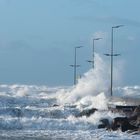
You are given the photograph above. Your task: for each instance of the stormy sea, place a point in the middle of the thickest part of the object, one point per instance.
(31, 112)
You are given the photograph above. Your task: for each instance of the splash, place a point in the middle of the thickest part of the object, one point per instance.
(91, 89)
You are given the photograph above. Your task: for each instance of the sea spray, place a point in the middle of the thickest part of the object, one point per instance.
(95, 118)
(32, 115)
(92, 83)
(99, 101)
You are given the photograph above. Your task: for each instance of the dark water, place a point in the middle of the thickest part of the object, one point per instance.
(31, 113)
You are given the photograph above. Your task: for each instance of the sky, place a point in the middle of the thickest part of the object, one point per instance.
(37, 39)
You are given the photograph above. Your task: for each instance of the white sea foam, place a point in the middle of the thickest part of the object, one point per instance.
(92, 83)
(54, 109)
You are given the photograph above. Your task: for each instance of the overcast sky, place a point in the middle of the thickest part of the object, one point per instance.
(37, 38)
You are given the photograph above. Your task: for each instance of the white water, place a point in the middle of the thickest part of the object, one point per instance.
(28, 111)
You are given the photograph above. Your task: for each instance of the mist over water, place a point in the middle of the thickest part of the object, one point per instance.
(93, 87)
(43, 112)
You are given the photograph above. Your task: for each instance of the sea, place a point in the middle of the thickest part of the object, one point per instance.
(41, 112)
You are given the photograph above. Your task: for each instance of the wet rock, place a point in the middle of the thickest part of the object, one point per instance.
(55, 105)
(87, 112)
(134, 119)
(122, 123)
(17, 112)
(129, 123)
(104, 124)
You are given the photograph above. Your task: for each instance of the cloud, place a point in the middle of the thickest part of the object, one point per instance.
(15, 45)
(84, 2)
(8, 2)
(119, 20)
(109, 20)
(131, 38)
(100, 34)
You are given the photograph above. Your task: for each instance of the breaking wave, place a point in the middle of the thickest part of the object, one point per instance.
(31, 107)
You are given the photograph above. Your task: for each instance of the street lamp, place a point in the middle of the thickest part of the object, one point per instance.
(93, 50)
(112, 55)
(75, 63)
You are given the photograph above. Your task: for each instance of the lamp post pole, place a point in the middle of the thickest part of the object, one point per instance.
(93, 52)
(111, 80)
(75, 63)
(112, 55)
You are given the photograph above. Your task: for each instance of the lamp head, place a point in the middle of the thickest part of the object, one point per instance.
(78, 47)
(97, 38)
(118, 26)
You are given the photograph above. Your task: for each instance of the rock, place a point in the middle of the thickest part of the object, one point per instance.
(55, 105)
(134, 119)
(17, 112)
(129, 123)
(87, 112)
(104, 124)
(122, 123)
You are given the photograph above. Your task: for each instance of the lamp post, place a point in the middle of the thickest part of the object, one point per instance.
(93, 51)
(75, 63)
(112, 55)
